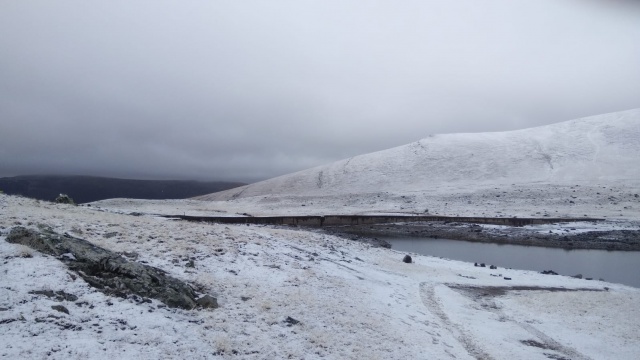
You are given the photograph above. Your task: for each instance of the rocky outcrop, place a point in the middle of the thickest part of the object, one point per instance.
(109, 272)
(64, 199)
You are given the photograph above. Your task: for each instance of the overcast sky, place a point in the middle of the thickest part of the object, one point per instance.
(247, 90)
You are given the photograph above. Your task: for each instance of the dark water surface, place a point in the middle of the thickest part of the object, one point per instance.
(614, 266)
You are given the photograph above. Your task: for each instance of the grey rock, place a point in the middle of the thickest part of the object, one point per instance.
(64, 199)
(130, 255)
(107, 271)
(60, 308)
(291, 321)
(407, 259)
(208, 302)
(58, 295)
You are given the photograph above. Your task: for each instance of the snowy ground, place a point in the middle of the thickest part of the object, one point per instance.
(351, 300)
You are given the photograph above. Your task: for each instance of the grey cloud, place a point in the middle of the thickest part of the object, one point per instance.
(249, 90)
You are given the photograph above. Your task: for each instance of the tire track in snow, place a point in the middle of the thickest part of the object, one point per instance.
(430, 300)
(550, 343)
(547, 341)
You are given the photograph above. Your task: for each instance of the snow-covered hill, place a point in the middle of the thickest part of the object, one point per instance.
(597, 148)
(588, 166)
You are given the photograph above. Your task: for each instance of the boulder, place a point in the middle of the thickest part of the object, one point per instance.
(207, 302)
(291, 321)
(407, 259)
(64, 199)
(107, 271)
(60, 308)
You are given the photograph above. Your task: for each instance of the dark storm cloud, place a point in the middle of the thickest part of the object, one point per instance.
(244, 90)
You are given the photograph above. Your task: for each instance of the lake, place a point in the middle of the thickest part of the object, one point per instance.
(614, 266)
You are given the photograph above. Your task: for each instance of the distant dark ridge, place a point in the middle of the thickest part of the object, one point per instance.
(88, 188)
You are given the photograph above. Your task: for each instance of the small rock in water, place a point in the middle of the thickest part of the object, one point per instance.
(507, 278)
(407, 259)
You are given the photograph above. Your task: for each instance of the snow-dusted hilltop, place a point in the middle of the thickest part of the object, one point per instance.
(595, 149)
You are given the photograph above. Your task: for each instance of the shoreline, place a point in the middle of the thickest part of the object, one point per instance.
(564, 233)
(611, 240)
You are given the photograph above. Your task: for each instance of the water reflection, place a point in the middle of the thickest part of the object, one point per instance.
(614, 266)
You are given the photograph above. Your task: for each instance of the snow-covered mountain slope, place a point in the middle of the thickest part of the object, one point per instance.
(597, 149)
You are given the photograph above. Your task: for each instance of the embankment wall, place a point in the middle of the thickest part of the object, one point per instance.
(339, 220)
